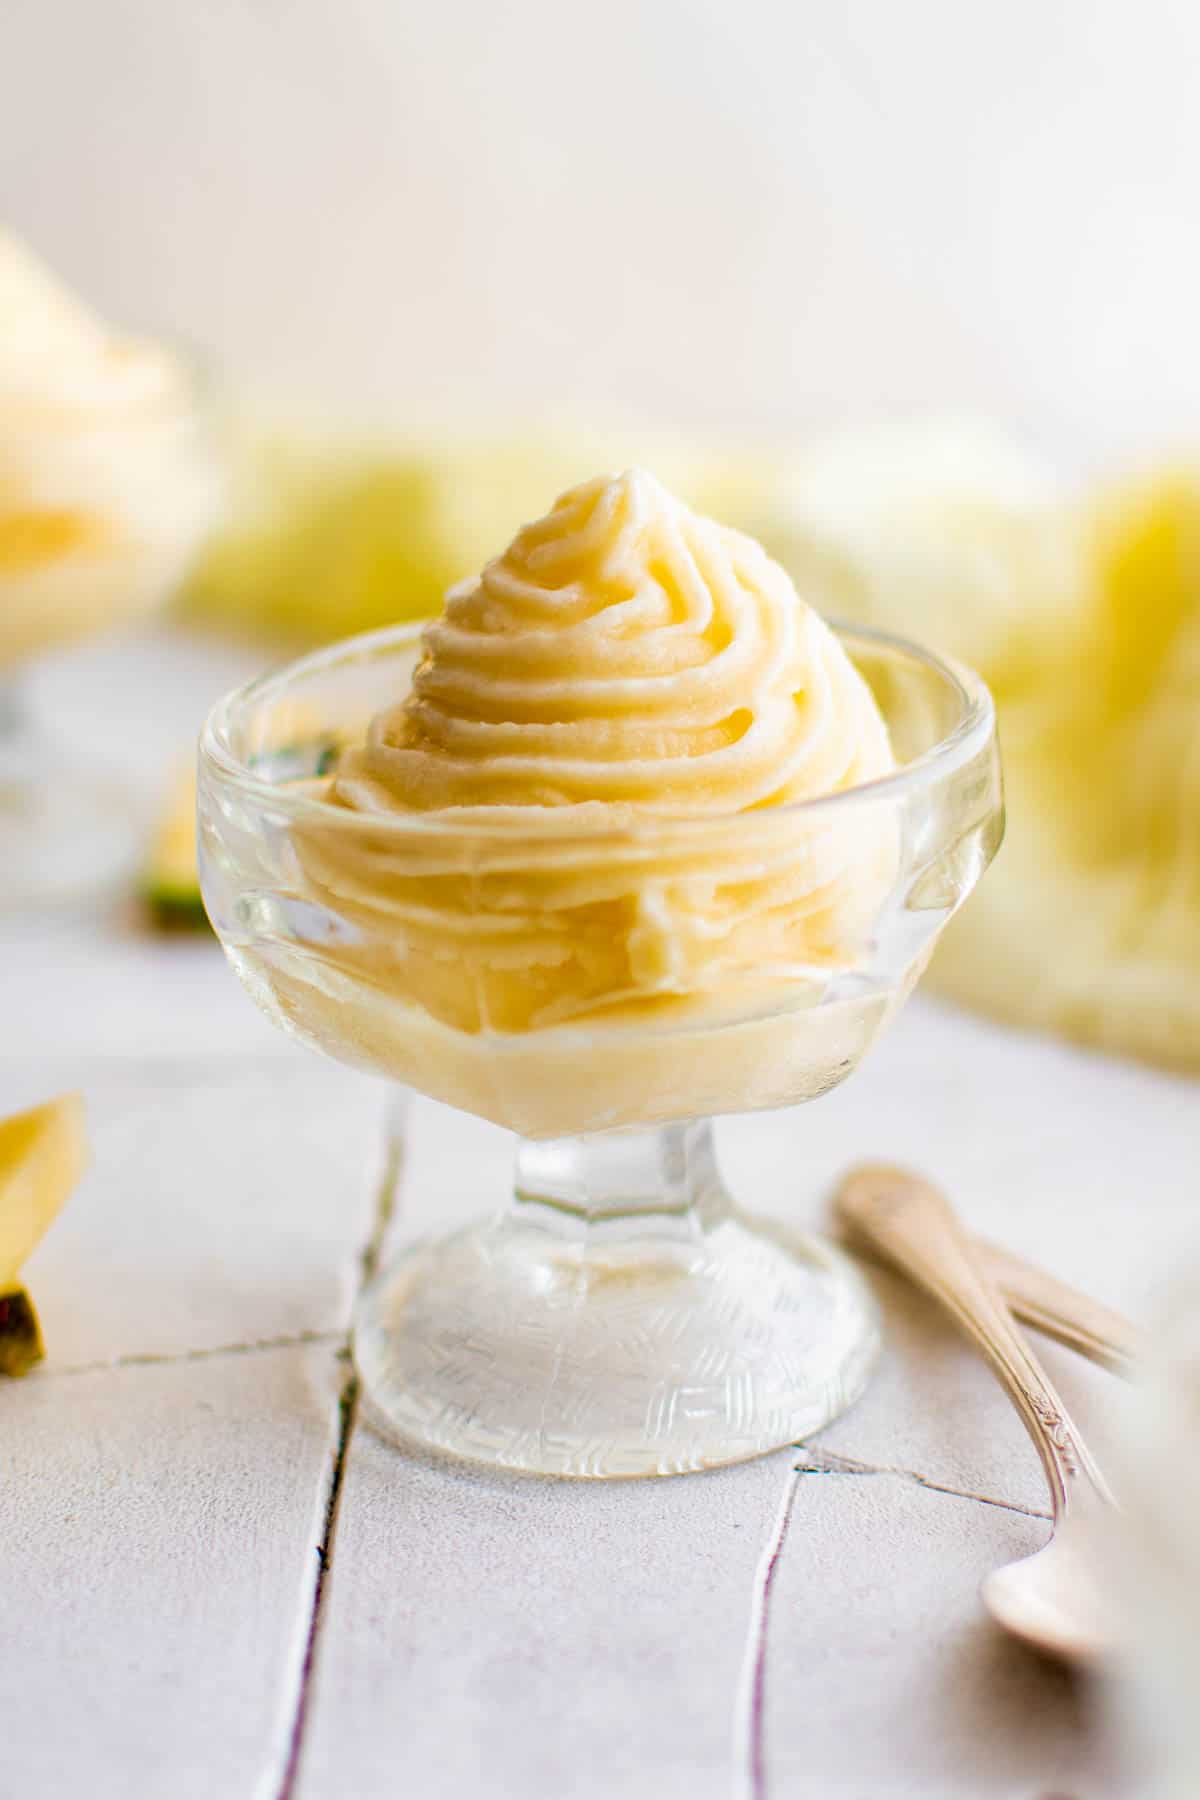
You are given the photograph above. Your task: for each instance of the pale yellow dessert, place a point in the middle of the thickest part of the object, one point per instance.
(105, 489)
(600, 864)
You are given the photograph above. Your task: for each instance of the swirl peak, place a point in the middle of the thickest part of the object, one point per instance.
(623, 651)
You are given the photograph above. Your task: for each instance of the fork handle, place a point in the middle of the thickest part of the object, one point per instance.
(1060, 1311)
(914, 1226)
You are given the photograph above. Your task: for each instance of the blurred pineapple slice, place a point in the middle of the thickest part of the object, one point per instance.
(940, 529)
(322, 543)
(171, 878)
(42, 1156)
(1090, 922)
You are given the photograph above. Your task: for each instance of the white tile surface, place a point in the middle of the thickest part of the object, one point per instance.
(157, 1554)
(225, 1203)
(505, 1636)
(159, 1517)
(106, 989)
(884, 1681)
(483, 1637)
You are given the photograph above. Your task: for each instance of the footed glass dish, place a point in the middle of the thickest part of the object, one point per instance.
(623, 1316)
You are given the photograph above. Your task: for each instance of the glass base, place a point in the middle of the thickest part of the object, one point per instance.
(68, 832)
(645, 1341)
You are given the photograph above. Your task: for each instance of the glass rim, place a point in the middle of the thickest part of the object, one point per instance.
(968, 737)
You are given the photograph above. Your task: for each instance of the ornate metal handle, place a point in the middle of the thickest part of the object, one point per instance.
(915, 1227)
(1061, 1311)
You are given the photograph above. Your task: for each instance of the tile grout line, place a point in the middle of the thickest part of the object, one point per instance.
(152, 1359)
(832, 1463)
(347, 1418)
(387, 1187)
(749, 1765)
(829, 1462)
(749, 1761)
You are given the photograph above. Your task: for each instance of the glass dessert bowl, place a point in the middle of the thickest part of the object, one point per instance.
(108, 482)
(623, 1316)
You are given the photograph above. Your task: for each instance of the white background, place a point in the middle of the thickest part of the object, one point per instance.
(746, 217)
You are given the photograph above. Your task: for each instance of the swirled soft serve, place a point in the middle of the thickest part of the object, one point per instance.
(599, 736)
(623, 652)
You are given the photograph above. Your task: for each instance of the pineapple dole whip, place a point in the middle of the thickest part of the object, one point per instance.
(591, 713)
(105, 490)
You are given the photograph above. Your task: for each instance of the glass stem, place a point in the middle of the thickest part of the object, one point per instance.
(663, 1180)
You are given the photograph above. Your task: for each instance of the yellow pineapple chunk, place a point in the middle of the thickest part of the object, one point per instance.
(171, 878)
(42, 1155)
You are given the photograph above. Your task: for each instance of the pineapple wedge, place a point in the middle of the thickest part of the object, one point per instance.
(42, 1155)
(171, 879)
